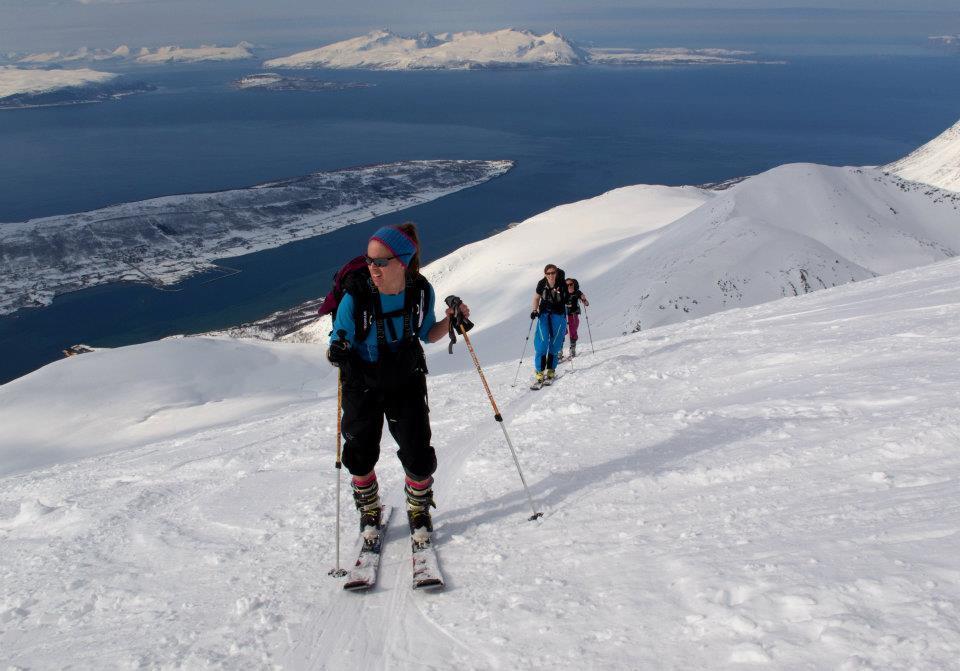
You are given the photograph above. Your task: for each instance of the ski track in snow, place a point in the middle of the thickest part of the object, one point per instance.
(771, 486)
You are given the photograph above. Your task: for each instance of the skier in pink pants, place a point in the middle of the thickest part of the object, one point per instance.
(574, 298)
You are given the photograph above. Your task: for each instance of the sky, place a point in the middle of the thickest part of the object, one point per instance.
(874, 25)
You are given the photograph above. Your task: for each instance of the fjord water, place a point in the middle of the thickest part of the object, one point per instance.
(573, 133)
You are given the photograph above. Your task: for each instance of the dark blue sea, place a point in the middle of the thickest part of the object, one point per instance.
(574, 133)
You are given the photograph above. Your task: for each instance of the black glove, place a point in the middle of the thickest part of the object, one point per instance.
(338, 354)
(534, 314)
(457, 321)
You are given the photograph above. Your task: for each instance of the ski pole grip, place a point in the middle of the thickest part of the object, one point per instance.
(456, 319)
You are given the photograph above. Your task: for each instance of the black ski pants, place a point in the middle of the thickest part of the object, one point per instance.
(408, 419)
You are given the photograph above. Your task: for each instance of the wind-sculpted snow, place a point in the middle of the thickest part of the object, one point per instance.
(772, 486)
(936, 163)
(164, 240)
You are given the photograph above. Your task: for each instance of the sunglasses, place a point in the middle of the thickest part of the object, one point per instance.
(550, 272)
(379, 263)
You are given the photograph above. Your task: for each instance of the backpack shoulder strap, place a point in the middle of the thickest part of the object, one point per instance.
(366, 303)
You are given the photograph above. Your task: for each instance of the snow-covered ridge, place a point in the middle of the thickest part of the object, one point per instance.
(648, 256)
(164, 240)
(385, 50)
(936, 163)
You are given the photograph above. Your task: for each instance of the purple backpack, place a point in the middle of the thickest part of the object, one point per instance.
(353, 270)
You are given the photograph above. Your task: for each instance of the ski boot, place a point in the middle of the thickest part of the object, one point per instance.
(366, 496)
(537, 381)
(419, 502)
(573, 349)
(550, 377)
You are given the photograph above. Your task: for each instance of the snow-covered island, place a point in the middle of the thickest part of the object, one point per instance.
(145, 55)
(204, 53)
(951, 42)
(508, 48)
(164, 240)
(674, 56)
(271, 81)
(386, 50)
(21, 87)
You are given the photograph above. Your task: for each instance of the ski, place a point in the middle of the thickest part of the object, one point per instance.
(426, 568)
(363, 575)
(537, 385)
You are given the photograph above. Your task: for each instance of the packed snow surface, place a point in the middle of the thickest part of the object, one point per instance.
(16, 81)
(936, 163)
(775, 485)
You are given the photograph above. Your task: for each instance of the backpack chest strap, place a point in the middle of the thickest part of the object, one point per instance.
(412, 307)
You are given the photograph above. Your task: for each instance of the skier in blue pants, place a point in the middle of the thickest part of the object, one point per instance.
(549, 309)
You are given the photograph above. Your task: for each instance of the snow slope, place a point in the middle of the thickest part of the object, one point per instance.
(648, 256)
(15, 81)
(385, 50)
(936, 163)
(773, 486)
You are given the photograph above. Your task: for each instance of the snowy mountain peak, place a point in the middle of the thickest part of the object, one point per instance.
(936, 163)
(386, 50)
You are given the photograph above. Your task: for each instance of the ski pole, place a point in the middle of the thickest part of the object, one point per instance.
(337, 571)
(523, 354)
(454, 303)
(589, 333)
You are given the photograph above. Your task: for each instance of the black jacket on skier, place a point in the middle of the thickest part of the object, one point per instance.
(384, 314)
(549, 309)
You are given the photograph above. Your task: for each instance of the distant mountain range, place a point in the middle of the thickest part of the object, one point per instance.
(146, 55)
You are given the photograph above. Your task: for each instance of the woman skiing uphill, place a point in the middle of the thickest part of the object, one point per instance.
(549, 307)
(574, 298)
(376, 336)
